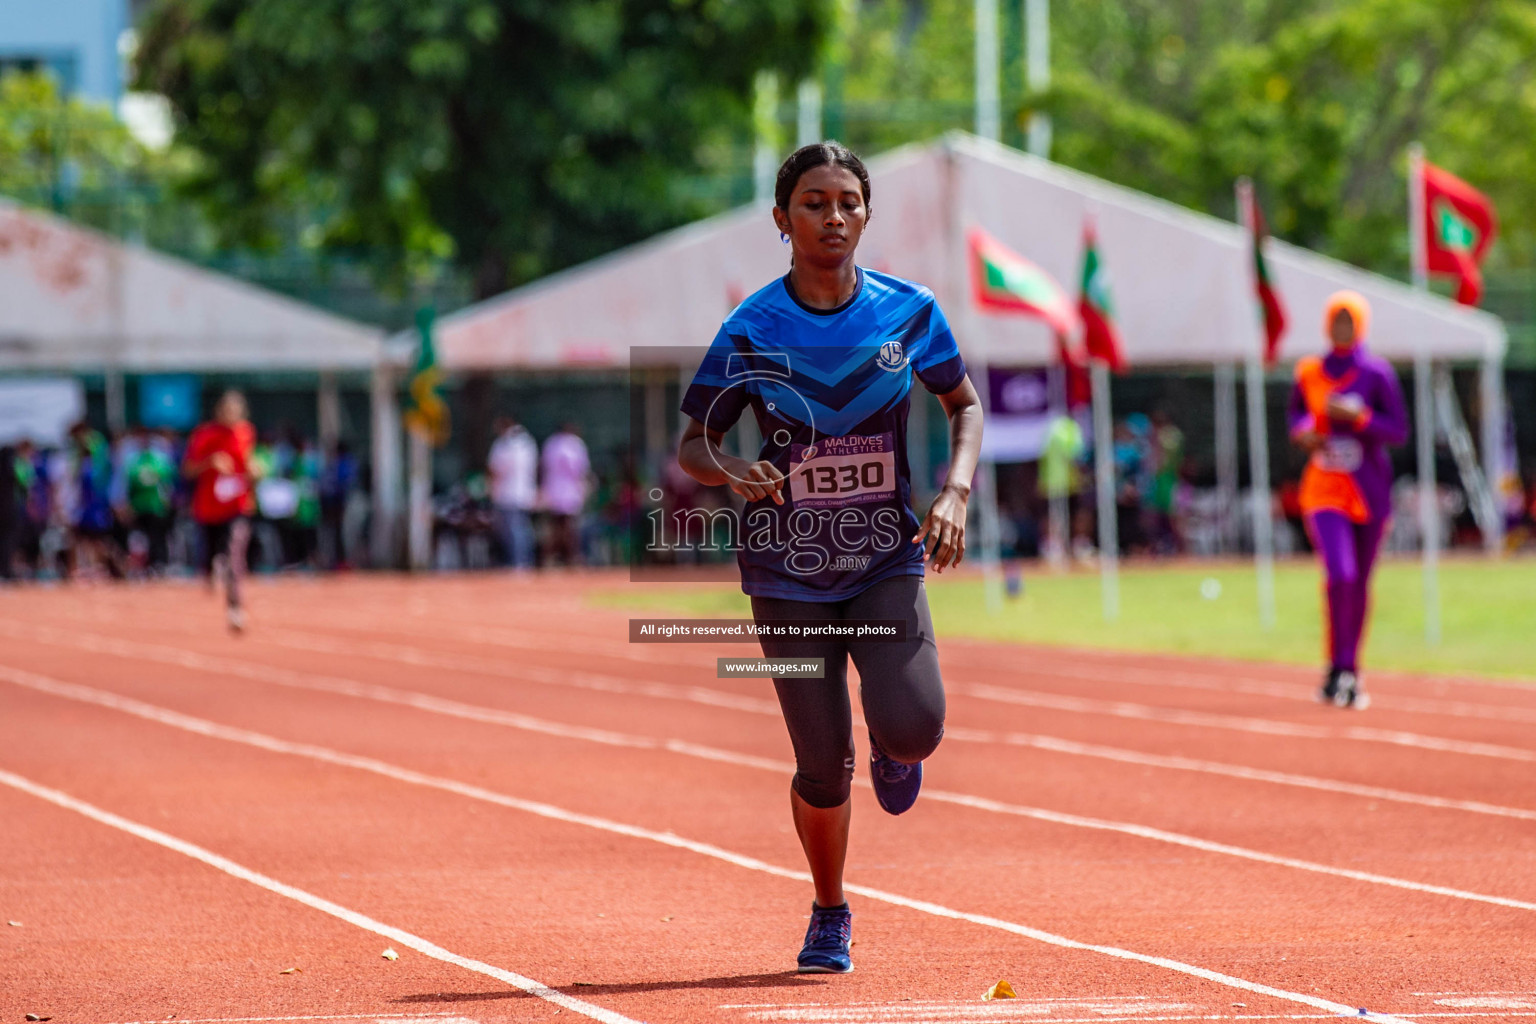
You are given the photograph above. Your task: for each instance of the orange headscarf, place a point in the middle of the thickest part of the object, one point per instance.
(1359, 311)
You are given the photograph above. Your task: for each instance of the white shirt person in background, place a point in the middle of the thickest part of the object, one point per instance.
(567, 481)
(514, 469)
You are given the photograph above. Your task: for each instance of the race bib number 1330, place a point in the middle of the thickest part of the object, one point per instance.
(849, 470)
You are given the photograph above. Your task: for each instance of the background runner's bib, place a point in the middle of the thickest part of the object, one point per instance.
(228, 488)
(1339, 454)
(849, 470)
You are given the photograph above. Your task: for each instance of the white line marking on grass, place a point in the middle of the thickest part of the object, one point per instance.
(260, 672)
(1262, 726)
(325, 906)
(323, 754)
(176, 719)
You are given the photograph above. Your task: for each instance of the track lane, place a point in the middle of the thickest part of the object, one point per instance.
(1273, 830)
(1095, 910)
(325, 846)
(1280, 752)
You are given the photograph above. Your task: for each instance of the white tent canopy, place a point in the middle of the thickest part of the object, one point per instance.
(1181, 283)
(75, 300)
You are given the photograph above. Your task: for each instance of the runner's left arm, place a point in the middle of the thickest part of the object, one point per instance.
(945, 523)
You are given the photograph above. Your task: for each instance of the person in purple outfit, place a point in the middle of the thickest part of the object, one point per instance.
(1346, 409)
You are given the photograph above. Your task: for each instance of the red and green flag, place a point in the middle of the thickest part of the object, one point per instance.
(1002, 281)
(1459, 226)
(1097, 308)
(1269, 299)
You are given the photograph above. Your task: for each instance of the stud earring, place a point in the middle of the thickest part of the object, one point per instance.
(784, 238)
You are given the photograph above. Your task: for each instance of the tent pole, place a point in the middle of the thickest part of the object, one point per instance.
(420, 536)
(117, 400)
(386, 465)
(1104, 469)
(1429, 519)
(328, 412)
(1424, 401)
(1258, 442)
(1258, 471)
(1491, 385)
(1226, 454)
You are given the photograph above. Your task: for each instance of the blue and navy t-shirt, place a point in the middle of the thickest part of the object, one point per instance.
(830, 390)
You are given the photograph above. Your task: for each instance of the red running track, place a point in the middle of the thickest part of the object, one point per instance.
(546, 822)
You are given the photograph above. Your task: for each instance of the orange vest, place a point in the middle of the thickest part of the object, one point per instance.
(1328, 482)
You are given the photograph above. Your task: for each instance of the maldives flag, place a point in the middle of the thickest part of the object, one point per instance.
(1459, 226)
(1094, 305)
(1002, 281)
(1269, 299)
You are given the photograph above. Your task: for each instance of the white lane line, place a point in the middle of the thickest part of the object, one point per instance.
(169, 655)
(1191, 1017)
(1077, 705)
(1263, 726)
(1058, 745)
(436, 1016)
(528, 640)
(1213, 683)
(308, 899)
(260, 672)
(551, 812)
(523, 672)
(176, 719)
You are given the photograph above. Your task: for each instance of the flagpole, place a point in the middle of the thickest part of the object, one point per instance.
(1424, 404)
(985, 480)
(1104, 472)
(988, 91)
(1258, 438)
(1037, 20)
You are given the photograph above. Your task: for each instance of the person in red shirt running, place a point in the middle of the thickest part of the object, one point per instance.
(218, 461)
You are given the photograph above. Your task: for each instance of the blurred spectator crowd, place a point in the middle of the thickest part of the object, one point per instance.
(117, 507)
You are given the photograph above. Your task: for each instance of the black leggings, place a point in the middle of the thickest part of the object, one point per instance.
(899, 686)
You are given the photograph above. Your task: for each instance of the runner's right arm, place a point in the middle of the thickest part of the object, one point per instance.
(701, 457)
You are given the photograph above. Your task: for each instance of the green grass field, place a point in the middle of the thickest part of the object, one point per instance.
(1488, 613)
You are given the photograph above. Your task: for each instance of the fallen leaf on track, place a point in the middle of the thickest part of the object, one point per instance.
(390, 954)
(1002, 990)
(290, 970)
(33, 1016)
(14, 924)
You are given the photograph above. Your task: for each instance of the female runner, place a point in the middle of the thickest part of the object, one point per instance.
(1346, 409)
(825, 357)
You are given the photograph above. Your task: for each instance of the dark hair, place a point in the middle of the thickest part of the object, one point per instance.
(808, 158)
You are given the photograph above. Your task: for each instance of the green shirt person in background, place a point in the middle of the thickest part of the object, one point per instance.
(1058, 462)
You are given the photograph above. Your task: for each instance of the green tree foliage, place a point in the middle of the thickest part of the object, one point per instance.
(1317, 100)
(512, 136)
(53, 149)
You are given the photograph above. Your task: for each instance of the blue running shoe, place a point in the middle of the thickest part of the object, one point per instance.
(896, 784)
(827, 941)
